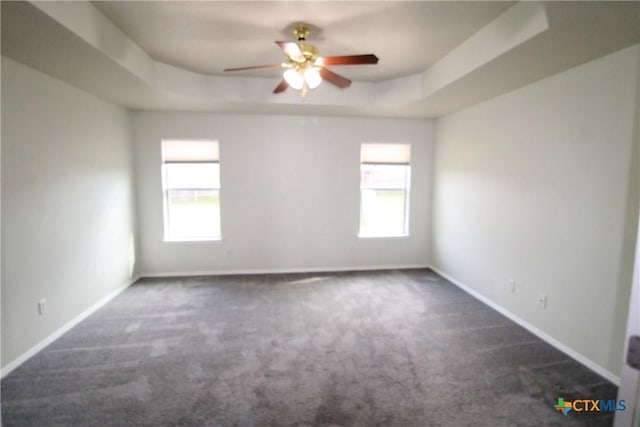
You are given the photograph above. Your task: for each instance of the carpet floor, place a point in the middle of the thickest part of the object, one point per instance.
(385, 348)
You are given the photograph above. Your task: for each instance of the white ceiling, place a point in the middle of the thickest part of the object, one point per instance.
(207, 37)
(435, 57)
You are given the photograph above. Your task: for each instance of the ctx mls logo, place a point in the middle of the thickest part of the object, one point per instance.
(590, 405)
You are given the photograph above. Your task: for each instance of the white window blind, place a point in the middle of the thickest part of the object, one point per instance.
(387, 154)
(178, 151)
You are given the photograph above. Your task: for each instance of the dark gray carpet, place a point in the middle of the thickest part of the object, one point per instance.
(388, 348)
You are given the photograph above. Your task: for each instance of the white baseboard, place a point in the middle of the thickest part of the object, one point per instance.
(528, 326)
(58, 333)
(282, 270)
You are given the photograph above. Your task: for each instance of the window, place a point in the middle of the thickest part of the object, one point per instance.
(384, 190)
(191, 186)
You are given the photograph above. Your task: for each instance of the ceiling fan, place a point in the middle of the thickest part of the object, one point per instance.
(305, 69)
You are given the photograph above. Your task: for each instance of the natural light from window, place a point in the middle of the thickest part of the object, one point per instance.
(191, 187)
(385, 176)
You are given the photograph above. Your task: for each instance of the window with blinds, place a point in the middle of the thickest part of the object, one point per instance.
(385, 175)
(191, 187)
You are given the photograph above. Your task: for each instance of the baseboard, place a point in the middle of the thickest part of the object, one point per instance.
(64, 329)
(528, 326)
(283, 270)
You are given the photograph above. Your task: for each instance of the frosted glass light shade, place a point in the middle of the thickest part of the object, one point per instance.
(294, 79)
(312, 77)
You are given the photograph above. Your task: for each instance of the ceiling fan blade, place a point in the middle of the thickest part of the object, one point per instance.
(281, 87)
(334, 78)
(255, 67)
(348, 60)
(292, 50)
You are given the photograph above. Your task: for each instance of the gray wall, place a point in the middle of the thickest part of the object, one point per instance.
(290, 192)
(540, 186)
(67, 204)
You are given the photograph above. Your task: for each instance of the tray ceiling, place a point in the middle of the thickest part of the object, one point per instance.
(435, 57)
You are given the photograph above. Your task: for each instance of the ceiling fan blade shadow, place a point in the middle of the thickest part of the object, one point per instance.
(334, 78)
(255, 67)
(347, 60)
(281, 87)
(292, 50)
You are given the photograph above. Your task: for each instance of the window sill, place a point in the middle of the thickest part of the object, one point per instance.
(396, 237)
(194, 240)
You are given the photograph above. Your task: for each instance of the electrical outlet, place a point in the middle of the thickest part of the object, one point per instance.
(542, 300)
(42, 306)
(512, 286)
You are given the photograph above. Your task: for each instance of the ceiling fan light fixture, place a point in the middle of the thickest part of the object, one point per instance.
(312, 77)
(294, 78)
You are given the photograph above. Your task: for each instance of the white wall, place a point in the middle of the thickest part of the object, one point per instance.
(539, 186)
(536, 186)
(67, 204)
(290, 192)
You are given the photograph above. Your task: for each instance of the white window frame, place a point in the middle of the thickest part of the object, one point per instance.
(199, 159)
(387, 155)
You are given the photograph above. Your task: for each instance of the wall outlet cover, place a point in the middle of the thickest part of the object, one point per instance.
(542, 300)
(42, 306)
